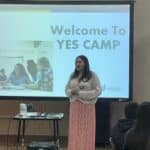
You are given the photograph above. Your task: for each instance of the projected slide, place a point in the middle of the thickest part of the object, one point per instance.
(39, 44)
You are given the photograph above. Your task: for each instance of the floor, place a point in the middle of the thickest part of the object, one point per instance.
(14, 148)
(4, 141)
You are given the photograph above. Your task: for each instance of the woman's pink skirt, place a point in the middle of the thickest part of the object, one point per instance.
(81, 126)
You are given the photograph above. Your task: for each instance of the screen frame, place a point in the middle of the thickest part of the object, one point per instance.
(83, 2)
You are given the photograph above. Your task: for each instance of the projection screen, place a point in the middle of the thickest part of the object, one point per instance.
(39, 43)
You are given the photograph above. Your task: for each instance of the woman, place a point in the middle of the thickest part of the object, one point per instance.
(138, 138)
(32, 69)
(19, 76)
(83, 88)
(45, 74)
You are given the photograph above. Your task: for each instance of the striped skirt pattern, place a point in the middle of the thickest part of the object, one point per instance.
(81, 126)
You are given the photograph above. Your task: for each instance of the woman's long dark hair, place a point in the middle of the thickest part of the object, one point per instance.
(22, 70)
(32, 68)
(143, 124)
(87, 74)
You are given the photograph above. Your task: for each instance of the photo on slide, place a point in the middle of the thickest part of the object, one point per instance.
(28, 69)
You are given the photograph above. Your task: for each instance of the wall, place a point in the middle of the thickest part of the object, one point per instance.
(141, 81)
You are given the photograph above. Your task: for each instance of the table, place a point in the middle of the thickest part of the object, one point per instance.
(54, 117)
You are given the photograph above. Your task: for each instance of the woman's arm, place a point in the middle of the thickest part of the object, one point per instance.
(72, 89)
(95, 92)
(68, 88)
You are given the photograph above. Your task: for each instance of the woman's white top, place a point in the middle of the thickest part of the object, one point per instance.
(88, 91)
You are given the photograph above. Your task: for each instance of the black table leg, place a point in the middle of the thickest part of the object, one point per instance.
(18, 135)
(54, 130)
(57, 129)
(23, 131)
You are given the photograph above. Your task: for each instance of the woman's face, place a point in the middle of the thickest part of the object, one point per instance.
(79, 64)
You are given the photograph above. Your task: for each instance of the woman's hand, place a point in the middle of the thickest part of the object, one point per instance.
(74, 91)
